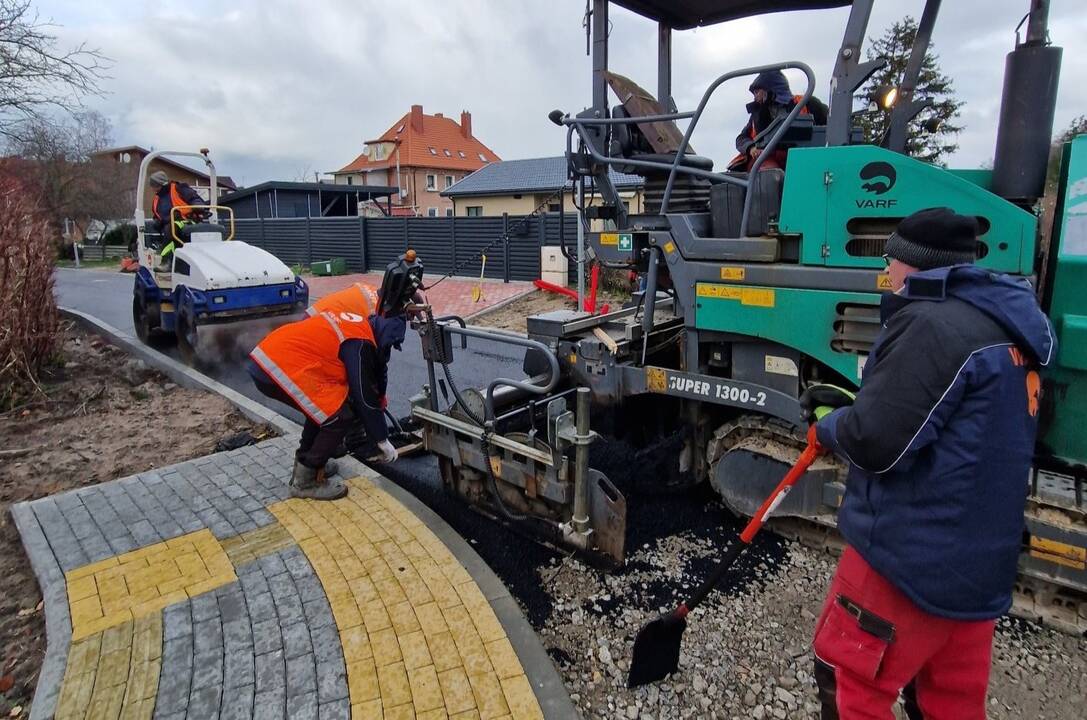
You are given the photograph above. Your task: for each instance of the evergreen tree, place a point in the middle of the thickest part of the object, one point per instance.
(931, 135)
(1076, 127)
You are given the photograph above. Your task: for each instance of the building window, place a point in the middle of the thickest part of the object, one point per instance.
(432, 151)
(483, 157)
(474, 210)
(432, 212)
(449, 180)
(380, 153)
(431, 181)
(350, 180)
(461, 153)
(554, 207)
(447, 153)
(449, 212)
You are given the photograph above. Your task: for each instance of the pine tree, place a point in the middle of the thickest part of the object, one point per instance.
(1077, 127)
(931, 135)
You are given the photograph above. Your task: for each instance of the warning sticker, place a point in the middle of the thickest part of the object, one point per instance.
(669, 247)
(758, 297)
(1058, 552)
(609, 238)
(883, 281)
(732, 273)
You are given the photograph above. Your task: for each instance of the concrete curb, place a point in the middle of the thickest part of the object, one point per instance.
(546, 682)
(181, 374)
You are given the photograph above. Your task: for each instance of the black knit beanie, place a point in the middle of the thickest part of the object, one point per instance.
(935, 237)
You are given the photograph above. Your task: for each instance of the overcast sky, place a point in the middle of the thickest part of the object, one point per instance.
(279, 89)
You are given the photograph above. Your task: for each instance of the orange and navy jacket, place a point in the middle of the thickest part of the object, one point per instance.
(356, 298)
(940, 439)
(173, 194)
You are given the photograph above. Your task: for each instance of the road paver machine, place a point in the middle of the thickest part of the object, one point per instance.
(757, 285)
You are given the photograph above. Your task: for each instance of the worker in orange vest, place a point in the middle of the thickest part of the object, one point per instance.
(333, 367)
(357, 298)
(168, 195)
(771, 99)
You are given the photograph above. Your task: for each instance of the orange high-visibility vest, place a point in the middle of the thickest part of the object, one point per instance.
(302, 358)
(176, 201)
(358, 298)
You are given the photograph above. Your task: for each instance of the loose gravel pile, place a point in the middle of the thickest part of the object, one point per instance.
(746, 652)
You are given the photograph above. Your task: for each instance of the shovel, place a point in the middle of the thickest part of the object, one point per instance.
(656, 649)
(477, 291)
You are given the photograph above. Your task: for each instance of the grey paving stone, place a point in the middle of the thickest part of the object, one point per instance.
(296, 640)
(266, 636)
(204, 703)
(144, 532)
(207, 668)
(208, 635)
(237, 703)
(169, 716)
(335, 710)
(309, 588)
(331, 680)
(272, 565)
(318, 613)
(239, 668)
(177, 621)
(177, 652)
(174, 685)
(97, 548)
(271, 671)
(261, 606)
(205, 607)
(302, 707)
(326, 644)
(237, 633)
(270, 705)
(123, 544)
(301, 675)
(289, 609)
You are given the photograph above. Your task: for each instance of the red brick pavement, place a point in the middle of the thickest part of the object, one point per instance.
(453, 296)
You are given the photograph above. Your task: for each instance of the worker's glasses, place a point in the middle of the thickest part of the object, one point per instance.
(886, 259)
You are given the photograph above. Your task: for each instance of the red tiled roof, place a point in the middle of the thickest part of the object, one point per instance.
(441, 144)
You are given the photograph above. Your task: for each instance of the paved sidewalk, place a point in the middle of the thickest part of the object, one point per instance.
(202, 591)
(453, 296)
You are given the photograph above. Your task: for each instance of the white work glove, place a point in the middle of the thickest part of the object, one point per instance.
(388, 452)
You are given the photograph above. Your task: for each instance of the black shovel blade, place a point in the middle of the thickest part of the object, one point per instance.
(656, 649)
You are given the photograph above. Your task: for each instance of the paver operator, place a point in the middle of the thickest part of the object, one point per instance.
(771, 98)
(168, 195)
(333, 367)
(940, 439)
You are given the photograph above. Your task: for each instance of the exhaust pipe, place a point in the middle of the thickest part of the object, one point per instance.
(1025, 130)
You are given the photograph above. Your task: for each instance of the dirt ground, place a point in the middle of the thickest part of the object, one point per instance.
(101, 415)
(515, 315)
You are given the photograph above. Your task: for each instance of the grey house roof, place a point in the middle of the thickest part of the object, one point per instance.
(526, 176)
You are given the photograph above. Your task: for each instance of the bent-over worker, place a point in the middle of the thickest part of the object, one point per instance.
(940, 441)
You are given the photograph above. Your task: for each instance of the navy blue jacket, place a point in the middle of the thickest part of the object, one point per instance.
(367, 367)
(941, 439)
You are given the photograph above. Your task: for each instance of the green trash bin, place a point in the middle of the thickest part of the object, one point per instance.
(335, 266)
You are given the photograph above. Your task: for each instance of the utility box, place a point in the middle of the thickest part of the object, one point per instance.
(554, 267)
(335, 266)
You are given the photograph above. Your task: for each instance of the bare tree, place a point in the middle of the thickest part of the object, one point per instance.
(37, 76)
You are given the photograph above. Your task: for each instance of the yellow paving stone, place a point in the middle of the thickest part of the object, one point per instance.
(178, 583)
(347, 614)
(362, 681)
(356, 644)
(438, 714)
(400, 712)
(469, 715)
(75, 695)
(415, 589)
(426, 693)
(96, 626)
(456, 691)
(117, 638)
(460, 623)
(91, 569)
(81, 587)
(403, 618)
(118, 570)
(487, 624)
(143, 680)
(112, 669)
(385, 646)
(413, 647)
(86, 610)
(444, 651)
(83, 655)
(364, 590)
(471, 597)
(138, 710)
(476, 661)
(378, 569)
(431, 619)
(489, 697)
(351, 567)
(111, 588)
(393, 681)
(520, 698)
(390, 591)
(503, 658)
(367, 711)
(375, 616)
(190, 565)
(215, 582)
(147, 638)
(151, 607)
(106, 702)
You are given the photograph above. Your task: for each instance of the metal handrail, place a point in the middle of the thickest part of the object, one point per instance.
(675, 167)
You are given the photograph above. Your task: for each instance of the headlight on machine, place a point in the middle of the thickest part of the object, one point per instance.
(219, 299)
(284, 293)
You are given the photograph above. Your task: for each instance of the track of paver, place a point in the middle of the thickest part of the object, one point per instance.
(202, 591)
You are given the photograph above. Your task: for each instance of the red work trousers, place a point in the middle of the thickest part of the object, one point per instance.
(871, 642)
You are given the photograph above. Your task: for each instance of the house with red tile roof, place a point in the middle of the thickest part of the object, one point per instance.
(422, 155)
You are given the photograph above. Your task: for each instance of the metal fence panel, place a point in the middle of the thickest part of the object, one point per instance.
(432, 239)
(384, 241)
(338, 238)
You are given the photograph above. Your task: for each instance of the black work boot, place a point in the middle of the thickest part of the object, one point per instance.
(313, 484)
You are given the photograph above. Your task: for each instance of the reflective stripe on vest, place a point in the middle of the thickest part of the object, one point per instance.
(287, 385)
(334, 323)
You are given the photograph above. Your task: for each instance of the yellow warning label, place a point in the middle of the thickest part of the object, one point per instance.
(758, 297)
(1058, 552)
(609, 238)
(669, 247)
(883, 281)
(656, 380)
(732, 273)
